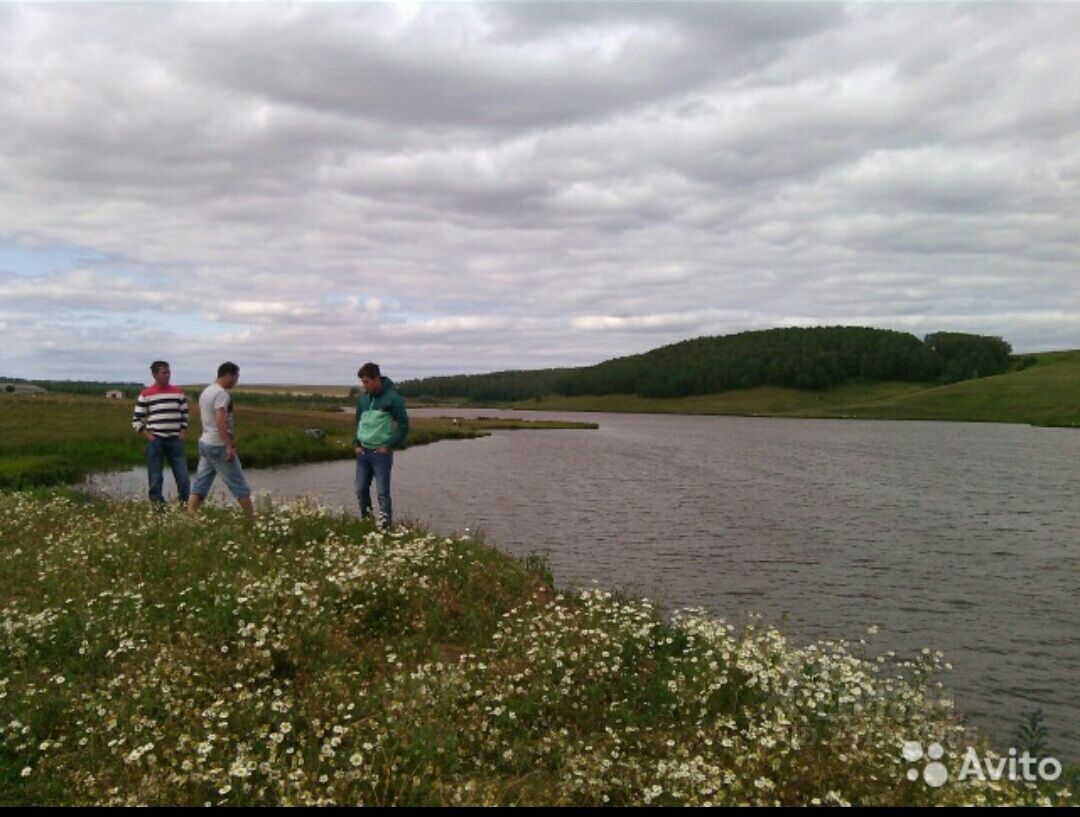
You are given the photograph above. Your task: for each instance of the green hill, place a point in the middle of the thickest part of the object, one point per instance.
(806, 358)
(826, 371)
(1045, 392)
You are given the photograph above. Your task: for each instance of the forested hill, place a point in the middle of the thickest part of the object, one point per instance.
(805, 358)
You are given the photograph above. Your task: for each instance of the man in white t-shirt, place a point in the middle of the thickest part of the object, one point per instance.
(217, 450)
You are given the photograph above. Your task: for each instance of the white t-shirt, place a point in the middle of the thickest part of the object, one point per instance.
(214, 397)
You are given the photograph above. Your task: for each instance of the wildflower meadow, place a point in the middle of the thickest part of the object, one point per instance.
(157, 658)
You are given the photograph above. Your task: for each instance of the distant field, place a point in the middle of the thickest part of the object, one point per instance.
(301, 391)
(1047, 393)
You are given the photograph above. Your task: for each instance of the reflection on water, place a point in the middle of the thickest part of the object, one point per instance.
(954, 536)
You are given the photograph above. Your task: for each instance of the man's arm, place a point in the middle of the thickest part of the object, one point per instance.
(223, 430)
(401, 417)
(183, 415)
(356, 422)
(138, 419)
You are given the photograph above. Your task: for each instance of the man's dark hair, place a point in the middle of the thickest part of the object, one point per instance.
(369, 370)
(227, 368)
(158, 365)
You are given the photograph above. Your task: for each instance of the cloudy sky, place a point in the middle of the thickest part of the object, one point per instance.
(463, 187)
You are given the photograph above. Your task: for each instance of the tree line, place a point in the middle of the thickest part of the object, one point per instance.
(809, 358)
(497, 387)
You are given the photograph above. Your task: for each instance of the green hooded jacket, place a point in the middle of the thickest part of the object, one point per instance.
(381, 419)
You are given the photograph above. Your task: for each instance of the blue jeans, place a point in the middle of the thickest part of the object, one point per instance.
(373, 464)
(171, 450)
(212, 461)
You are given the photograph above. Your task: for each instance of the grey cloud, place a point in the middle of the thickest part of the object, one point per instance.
(716, 24)
(425, 80)
(514, 183)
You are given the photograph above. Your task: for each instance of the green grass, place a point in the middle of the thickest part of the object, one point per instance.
(155, 658)
(29, 470)
(1046, 393)
(57, 439)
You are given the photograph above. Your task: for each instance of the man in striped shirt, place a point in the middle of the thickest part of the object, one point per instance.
(161, 416)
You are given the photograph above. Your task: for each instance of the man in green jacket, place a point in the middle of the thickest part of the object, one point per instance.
(381, 426)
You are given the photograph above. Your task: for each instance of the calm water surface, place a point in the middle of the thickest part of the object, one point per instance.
(960, 537)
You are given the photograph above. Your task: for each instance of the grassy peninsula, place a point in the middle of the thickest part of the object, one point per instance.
(50, 439)
(314, 659)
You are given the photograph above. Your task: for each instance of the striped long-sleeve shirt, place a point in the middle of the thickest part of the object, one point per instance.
(161, 411)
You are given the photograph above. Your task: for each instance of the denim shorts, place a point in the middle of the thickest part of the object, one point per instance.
(211, 463)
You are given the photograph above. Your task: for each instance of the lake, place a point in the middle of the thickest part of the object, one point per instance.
(960, 537)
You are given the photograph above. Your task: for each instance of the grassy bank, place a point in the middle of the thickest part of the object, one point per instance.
(1046, 394)
(152, 658)
(57, 439)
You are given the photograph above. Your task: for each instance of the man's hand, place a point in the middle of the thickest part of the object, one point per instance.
(383, 450)
(183, 434)
(149, 437)
(230, 452)
(359, 450)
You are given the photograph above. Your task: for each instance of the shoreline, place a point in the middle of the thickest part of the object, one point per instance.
(656, 412)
